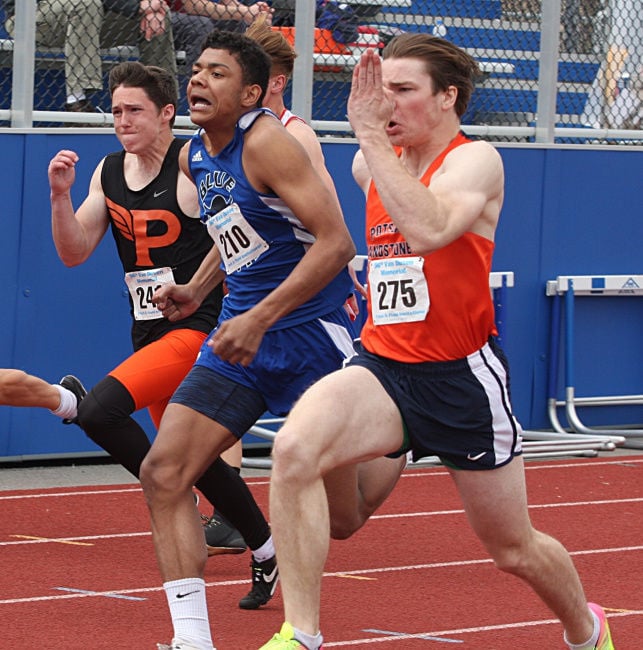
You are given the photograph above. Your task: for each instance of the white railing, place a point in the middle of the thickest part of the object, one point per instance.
(544, 129)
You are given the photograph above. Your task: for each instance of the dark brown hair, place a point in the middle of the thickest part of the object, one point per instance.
(446, 63)
(159, 85)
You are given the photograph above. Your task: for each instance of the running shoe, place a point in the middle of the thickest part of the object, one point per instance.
(76, 387)
(604, 637)
(221, 537)
(284, 640)
(264, 582)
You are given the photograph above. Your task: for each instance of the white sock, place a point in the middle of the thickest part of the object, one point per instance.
(265, 551)
(590, 644)
(189, 611)
(311, 642)
(68, 403)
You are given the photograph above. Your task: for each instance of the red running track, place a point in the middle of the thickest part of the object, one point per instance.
(79, 570)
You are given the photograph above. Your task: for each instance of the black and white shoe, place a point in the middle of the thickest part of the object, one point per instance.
(76, 387)
(265, 576)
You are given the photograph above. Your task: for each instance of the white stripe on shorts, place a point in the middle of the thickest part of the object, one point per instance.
(491, 373)
(340, 336)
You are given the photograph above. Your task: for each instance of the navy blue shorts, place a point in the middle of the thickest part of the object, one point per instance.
(287, 363)
(458, 410)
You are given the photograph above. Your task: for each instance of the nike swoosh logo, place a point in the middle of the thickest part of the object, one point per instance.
(187, 593)
(269, 577)
(476, 457)
(157, 194)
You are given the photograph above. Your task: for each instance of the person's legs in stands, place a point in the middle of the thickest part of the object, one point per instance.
(124, 30)
(83, 64)
(73, 25)
(159, 50)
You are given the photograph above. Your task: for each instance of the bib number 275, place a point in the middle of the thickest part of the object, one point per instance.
(399, 291)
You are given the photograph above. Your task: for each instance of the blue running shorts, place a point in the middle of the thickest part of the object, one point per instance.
(288, 362)
(458, 410)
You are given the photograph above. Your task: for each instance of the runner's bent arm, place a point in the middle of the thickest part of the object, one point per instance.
(280, 164)
(465, 194)
(75, 234)
(178, 301)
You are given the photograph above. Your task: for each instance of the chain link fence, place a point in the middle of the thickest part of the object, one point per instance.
(567, 71)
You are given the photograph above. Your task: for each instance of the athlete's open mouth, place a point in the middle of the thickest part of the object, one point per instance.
(197, 102)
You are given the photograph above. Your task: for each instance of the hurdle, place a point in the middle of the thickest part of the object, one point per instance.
(566, 288)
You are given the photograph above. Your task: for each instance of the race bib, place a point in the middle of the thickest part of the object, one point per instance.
(238, 242)
(398, 290)
(142, 285)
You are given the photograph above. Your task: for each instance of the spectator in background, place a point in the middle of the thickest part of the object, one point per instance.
(74, 25)
(338, 17)
(82, 27)
(615, 100)
(193, 20)
(145, 23)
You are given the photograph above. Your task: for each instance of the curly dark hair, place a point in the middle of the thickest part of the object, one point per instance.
(254, 61)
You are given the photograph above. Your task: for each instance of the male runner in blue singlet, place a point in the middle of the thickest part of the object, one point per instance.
(285, 247)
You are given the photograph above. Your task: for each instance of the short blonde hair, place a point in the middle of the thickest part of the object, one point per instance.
(280, 51)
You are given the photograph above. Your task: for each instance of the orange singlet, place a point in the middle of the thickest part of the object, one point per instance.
(445, 310)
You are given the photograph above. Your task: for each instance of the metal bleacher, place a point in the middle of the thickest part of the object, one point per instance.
(507, 48)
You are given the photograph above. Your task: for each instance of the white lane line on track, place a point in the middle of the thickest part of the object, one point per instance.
(95, 593)
(44, 495)
(85, 538)
(336, 574)
(112, 593)
(464, 630)
(57, 540)
(424, 637)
